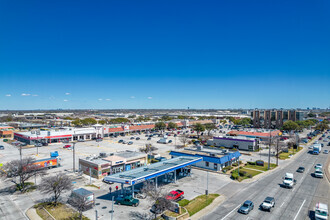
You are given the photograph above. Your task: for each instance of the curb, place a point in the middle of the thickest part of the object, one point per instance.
(208, 209)
(31, 213)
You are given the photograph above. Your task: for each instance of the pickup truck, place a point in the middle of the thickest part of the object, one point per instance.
(268, 204)
(127, 200)
(175, 195)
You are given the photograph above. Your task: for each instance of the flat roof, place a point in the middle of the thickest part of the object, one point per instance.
(142, 174)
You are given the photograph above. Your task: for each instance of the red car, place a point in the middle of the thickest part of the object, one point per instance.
(67, 146)
(175, 195)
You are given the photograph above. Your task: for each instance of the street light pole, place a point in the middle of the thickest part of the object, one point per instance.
(270, 139)
(74, 159)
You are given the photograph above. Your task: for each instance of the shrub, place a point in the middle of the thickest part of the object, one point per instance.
(183, 202)
(242, 173)
(249, 176)
(212, 146)
(234, 175)
(234, 164)
(251, 163)
(222, 147)
(228, 168)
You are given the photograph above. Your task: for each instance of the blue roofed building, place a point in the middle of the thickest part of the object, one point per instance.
(211, 159)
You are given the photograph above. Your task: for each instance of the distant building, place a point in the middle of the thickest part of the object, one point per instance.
(239, 142)
(279, 118)
(263, 136)
(256, 118)
(267, 119)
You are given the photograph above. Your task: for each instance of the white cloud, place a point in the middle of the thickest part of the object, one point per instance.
(35, 95)
(149, 97)
(100, 99)
(108, 99)
(67, 93)
(24, 94)
(65, 100)
(132, 97)
(8, 95)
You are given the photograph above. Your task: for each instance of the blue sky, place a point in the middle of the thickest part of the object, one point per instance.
(164, 54)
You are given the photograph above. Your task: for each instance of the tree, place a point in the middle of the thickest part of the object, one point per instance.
(290, 126)
(79, 203)
(245, 121)
(172, 125)
(311, 115)
(184, 139)
(56, 185)
(102, 122)
(88, 121)
(148, 149)
(322, 126)
(77, 122)
(157, 198)
(198, 128)
(118, 120)
(210, 127)
(24, 169)
(166, 118)
(182, 117)
(160, 126)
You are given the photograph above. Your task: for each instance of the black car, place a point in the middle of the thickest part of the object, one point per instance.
(329, 144)
(246, 207)
(120, 141)
(301, 169)
(137, 138)
(149, 138)
(2, 147)
(44, 144)
(170, 141)
(132, 138)
(107, 181)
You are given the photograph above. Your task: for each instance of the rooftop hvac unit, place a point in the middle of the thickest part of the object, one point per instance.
(103, 154)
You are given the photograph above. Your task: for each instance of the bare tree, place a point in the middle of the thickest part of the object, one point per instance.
(56, 185)
(24, 169)
(184, 139)
(157, 197)
(148, 149)
(79, 203)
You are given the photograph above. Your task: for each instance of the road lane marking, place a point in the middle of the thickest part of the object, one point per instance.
(282, 204)
(299, 209)
(231, 212)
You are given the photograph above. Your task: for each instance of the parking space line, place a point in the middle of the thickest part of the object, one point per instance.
(230, 212)
(299, 209)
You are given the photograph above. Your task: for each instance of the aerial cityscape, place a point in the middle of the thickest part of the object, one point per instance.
(164, 110)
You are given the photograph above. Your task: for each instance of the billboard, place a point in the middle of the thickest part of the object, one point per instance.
(47, 163)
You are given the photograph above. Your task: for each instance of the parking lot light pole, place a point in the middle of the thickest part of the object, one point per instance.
(74, 160)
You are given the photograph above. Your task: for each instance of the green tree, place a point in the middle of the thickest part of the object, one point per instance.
(245, 121)
(160, 126)
(172, 125)
(290, 126)
(198, 128)
(210, 127)
(166, 118)
(118, 120)
(322, 126)
(68, 118)
(182, 117)
(102, 122)
(88, 121)
(77, 122)
(311, 115)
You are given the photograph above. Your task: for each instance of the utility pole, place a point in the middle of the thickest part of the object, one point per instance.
(277, 150)
(74, 160)
(90, 176)
(207, 183)
(270, 140)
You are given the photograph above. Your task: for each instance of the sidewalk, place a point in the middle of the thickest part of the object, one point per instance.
(32, 214)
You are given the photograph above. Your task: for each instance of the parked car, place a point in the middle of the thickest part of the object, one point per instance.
(137, 138)
(132, 138)
(44, 144)
(301, 169)
(325, 151)
(127, 200)
(246, 207)
(169, 141)
(268, 204)
(38, 145)
(65, 141)
(149, 138)
(175, 195)
(99, 139)
(2, 147)
(107, 181)
(124, 142)
(130, 143)
(120, 141)
(66, 146)
(81, 140)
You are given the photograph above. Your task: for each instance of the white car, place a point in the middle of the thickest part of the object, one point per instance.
(325, 151)
(318, 166)
(321, 211)
(318, 173)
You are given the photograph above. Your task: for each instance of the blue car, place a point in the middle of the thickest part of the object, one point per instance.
(246, 207)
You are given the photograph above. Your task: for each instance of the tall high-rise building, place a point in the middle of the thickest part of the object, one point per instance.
(292, 115)
(267, 119)
(279, 118)
(256, 118)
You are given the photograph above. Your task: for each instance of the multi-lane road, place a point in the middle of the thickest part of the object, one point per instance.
(296, 203)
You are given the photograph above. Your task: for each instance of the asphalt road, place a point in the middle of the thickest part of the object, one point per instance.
(296, 203)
